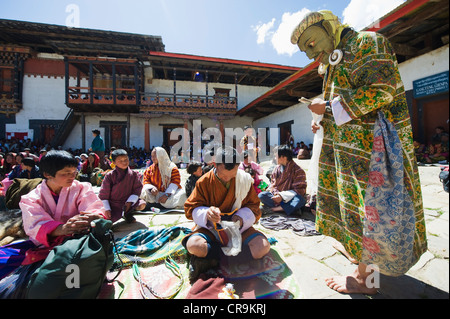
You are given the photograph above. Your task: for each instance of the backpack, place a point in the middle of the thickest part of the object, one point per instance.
(77, 268)
(443, 177)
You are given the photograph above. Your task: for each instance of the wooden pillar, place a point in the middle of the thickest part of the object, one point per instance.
(114, 83)
(128, 130)
(222, 130)
(83, 132)
(186, 137)
(66, 62)
(91, 82)
(147, 135)
(206, 81)
(174, 86)
(137, 85)
(236, 88)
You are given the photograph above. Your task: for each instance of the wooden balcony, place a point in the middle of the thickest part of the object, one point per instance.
(84, 99)
(187, 103)
(8, 104)
(103, 96)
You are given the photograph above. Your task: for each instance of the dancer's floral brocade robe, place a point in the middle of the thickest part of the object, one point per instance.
(367, 82)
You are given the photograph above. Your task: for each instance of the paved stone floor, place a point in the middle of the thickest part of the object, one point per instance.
(313, 258)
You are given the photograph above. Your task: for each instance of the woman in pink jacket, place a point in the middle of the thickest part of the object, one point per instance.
(59, 207)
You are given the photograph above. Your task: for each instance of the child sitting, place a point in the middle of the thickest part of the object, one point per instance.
(256, 180)
(195, 170)
(121, 188)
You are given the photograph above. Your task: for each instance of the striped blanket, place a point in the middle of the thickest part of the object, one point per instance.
(150, 246)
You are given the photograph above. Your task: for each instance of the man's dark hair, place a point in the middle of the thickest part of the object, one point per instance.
(227, 156)
(119, 152)
(192, 167)
(285, 151)
(28, 161)
(55, 161)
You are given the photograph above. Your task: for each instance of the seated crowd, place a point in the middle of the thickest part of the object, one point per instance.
(223, 189)
(436, 151)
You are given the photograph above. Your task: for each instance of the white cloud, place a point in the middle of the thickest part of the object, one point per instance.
(362, 13)
(263, 31)
(281, 38)
(358, 14)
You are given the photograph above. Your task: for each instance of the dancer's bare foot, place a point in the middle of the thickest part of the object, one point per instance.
(353, 284)
(340, 248)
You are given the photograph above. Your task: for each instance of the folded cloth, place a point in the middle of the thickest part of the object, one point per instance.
(299, 226)
(303, 227)
(12, 256)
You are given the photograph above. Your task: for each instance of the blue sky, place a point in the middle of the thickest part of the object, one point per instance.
(253, 30)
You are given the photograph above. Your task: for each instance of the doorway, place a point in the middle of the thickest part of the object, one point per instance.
(285, 128)
(167, 130)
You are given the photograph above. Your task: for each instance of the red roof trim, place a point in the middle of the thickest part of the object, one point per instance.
(220, 60)
(289, 80)
(397, 14)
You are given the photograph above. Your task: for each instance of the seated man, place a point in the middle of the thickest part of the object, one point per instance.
(162, 181)
(222, 190)
(121, 188)
(287, 188)
(29, 169)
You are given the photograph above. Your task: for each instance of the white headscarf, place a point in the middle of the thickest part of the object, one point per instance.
(165, 166)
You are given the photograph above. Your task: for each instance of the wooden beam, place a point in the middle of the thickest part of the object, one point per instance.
(264, 78)
(298, 93)
(263, 109)
(281, 103)
(432, 11)
(242, 77)
(404, 49)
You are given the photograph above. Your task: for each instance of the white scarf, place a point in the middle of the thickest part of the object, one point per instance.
(244, 182)
(165, 166)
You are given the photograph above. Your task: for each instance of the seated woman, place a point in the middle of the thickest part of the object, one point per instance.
(92, 163)
(437, 152)
(59, 207)
(162, 181)
(15, 173)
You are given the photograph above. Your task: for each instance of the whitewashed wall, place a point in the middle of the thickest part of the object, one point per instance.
(301, 128)
(434, 62)
(43, 99)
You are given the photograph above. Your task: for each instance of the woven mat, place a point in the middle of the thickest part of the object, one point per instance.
(269, 277)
